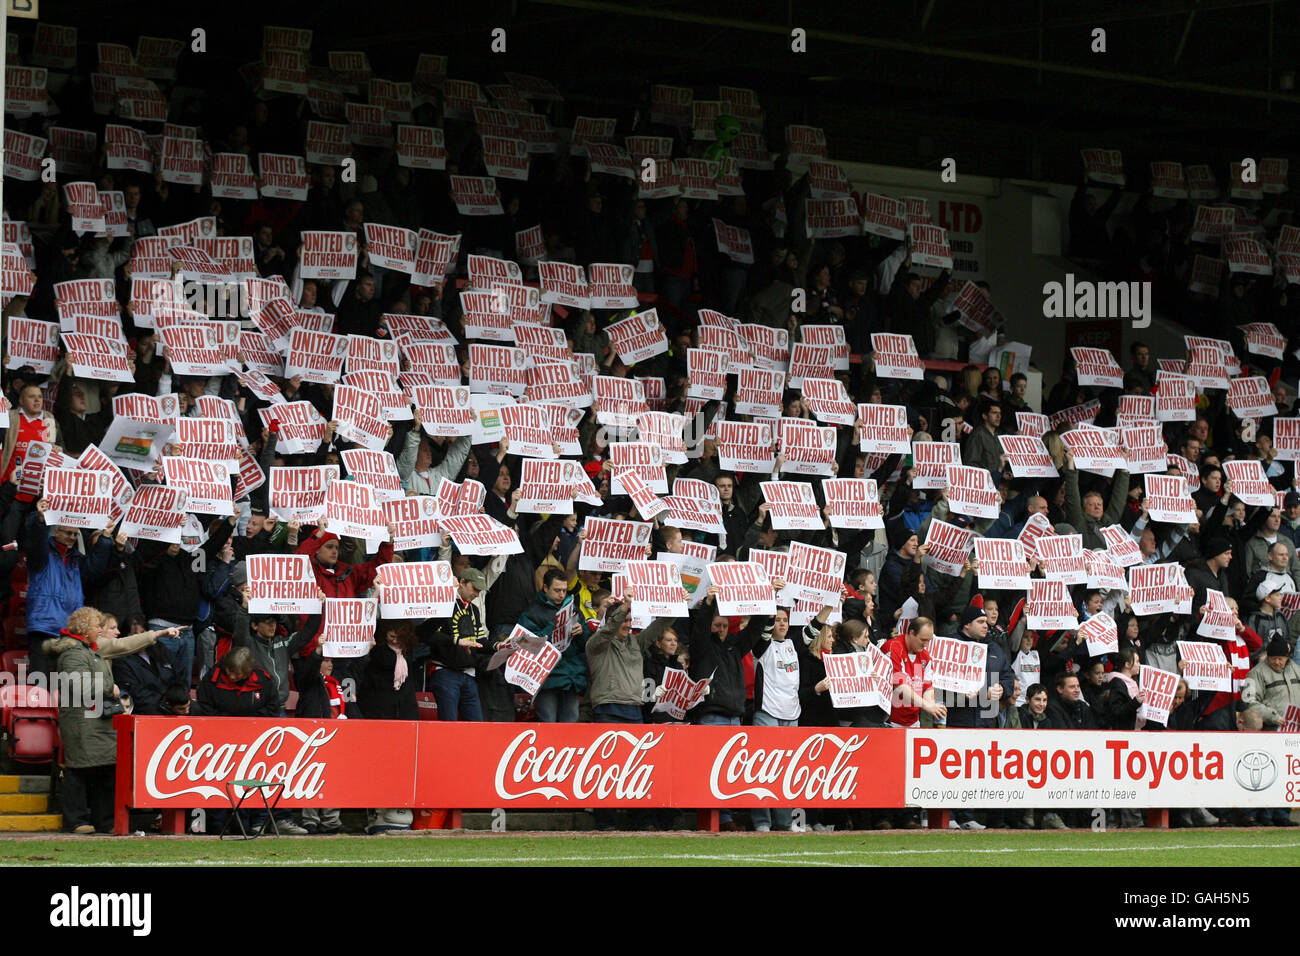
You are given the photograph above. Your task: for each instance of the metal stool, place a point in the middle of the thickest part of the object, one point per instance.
(250, 787)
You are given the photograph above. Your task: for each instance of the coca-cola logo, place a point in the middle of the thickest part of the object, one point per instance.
(802, 773)
(175, 761)
(610, 766)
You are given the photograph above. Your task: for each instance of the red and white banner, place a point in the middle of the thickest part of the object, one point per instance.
(610, 544)
(476, 196)
(77, 498)
(97, 358)
(1049, 607)
(792, 505)
(1249, 483)
(638, 337)
(298, 493)
(328, 255)
(1286, 438)
(282, 584)
(831, 218)
(1246, 254)
(706, 374)
(744, 588)
(884, 216)
(695, 504)
(1100, 634)
(619, 401)
(734, 242)
(932, 459)
(1032, 424)
(971, 492)
(1095, 449)
(1175, 397)
(390, 247)
(1062, 557)
(316, 356)
(1167, 499)
(207, 483)
(645, 459)
(301, 427)
(1159, 589)
(1120, 546)
(746, 447)
(1144, 448)
(807, 448)
(33, 343)
(283, 177)
(1250, 397)
(349, 627)
(1002, 564)
(815, 574)
(884, 429)
(1207, 275)
(421, 147)
(1167, 181)
(896, 357)
(416, 589)
(656, 589)
(853, 503)
(1263, 338)
(531, 661)
(1097, 367)
(1104, 166)
(957, 665)
(947, 546)
(860, 679)
(156, 513)
(1161, 686)
(1028, 456)
(930, 246)
(1206, 666)
(351, 510)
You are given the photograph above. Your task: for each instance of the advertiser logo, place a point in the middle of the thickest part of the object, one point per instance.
(820, 767)
(612, 765)
(1255, 770)
(177, 767)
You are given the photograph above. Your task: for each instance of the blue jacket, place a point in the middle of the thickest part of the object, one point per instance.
(54, 588)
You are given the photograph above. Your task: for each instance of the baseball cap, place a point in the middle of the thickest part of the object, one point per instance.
(1291, 499)
(475, 577)
(1268, 586)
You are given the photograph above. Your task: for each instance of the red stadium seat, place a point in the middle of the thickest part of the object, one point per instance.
(9, 662)
(29, 717)
(14, 631)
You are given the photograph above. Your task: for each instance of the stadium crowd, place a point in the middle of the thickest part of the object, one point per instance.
(168, 625)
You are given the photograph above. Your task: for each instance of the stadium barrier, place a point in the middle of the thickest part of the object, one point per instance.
(177, 764)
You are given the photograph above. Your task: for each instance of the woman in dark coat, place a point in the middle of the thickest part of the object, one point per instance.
(387, 690)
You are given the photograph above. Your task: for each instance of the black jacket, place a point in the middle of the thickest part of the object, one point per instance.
(997, 670)
(376, 696)
(722, 659)
(146, 675)
(1118, 710)
(1071, 716)
(254, 696)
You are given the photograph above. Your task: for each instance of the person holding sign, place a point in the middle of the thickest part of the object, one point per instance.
(1122, 698)
(56, 572)
(777, 665)
(1093, 512)
(718, 646)
(557, 701)
(457, 648)
(271, 645)
(615, 659)
(339, 579)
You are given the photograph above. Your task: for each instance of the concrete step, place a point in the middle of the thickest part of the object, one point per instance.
(29, 822)
(24, 802)
(24, 783)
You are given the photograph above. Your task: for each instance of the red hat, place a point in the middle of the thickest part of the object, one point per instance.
(328, 536)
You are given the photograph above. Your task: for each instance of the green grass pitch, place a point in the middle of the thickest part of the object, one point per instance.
(1175, 848)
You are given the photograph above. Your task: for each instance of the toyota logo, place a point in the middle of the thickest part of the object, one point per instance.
(1255, 771)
